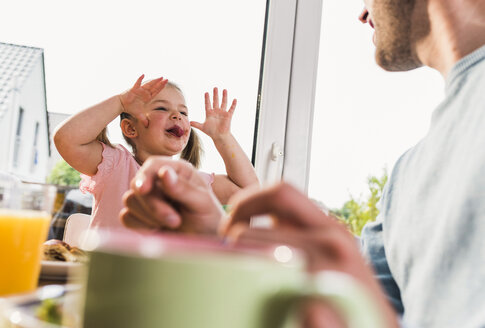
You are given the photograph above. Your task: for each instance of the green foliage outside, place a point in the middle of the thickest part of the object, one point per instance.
(64, 175)
(355, 213)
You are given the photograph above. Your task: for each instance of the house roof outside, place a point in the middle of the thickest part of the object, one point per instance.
(16, 64)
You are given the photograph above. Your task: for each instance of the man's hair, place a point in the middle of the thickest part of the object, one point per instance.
(192, 152)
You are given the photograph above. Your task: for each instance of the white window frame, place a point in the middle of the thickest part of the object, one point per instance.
(287, 91)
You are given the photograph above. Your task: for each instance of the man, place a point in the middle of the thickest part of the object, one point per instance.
(427, 246)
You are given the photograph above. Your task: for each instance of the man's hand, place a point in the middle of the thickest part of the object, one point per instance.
(325, 242)
(170, 194)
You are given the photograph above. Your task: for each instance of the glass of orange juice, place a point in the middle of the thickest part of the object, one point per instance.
(24, 223)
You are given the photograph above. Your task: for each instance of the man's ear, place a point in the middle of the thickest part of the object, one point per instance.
(128, 128)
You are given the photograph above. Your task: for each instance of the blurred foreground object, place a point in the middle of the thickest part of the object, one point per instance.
(169, 280)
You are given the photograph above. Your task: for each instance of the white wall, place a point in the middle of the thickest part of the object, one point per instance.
(32, 100)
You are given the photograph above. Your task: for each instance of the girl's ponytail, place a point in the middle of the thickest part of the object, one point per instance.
(103, 137)
(193, 150)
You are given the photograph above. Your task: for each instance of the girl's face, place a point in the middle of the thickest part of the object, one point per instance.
(168, 129)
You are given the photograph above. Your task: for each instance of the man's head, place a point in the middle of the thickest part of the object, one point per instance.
(399, 25)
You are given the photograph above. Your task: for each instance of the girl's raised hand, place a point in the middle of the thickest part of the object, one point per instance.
(217, 119)
(134, 101)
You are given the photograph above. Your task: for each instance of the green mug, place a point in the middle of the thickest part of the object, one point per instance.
(185, 282)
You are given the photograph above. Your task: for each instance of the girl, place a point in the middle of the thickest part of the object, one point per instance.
(154, 121)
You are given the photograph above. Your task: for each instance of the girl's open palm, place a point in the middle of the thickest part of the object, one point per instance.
(135, 99)
(217, 118)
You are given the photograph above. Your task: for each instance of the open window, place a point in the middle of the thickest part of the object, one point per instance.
(330, 117)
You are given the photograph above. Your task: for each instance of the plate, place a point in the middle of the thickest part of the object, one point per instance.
(58, 270)
(30, 310)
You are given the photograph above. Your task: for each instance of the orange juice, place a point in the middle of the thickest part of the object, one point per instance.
(22, 233)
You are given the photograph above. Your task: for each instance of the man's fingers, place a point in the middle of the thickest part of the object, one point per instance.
(183, 169)
(164, 191)
(130, 221)
(241, 233)
(152, 210)
(136, 220)
(300, 240)
(182, 185)
(282, 201)
(325, 249)
(145, 178)
(320, 314)
(177, 180)
(139, 209)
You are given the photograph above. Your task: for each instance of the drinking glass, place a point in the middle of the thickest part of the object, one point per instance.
(25, 214)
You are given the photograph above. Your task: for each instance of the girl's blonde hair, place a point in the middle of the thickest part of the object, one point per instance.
(192, 152)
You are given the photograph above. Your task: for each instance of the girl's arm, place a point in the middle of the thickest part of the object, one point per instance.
(75, 138)
(217, 125)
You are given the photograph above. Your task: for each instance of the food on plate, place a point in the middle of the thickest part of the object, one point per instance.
(61, 310)
(50, 310)
(57, 250)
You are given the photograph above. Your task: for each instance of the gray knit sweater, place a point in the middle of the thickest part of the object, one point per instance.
(428, 245)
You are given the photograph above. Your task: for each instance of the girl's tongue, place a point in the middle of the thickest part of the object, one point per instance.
(176, 131)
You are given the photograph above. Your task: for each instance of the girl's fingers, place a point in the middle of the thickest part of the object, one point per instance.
(196, 125)
(224, 99)
(155, 86)
(207, 102)
(138, 82)
(233, 106)
(143, 119)
(141, 93)
(150, 85)
(161, 85)
(215, 95)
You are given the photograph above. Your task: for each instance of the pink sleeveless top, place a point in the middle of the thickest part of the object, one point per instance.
(111, 181)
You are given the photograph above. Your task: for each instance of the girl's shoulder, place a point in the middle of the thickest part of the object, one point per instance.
(114, 148)
(116, 153)
(115, 159)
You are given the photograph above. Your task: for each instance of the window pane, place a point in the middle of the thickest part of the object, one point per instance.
(95, 49)
(365, 118)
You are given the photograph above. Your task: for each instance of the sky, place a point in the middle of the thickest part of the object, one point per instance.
(364, 117)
